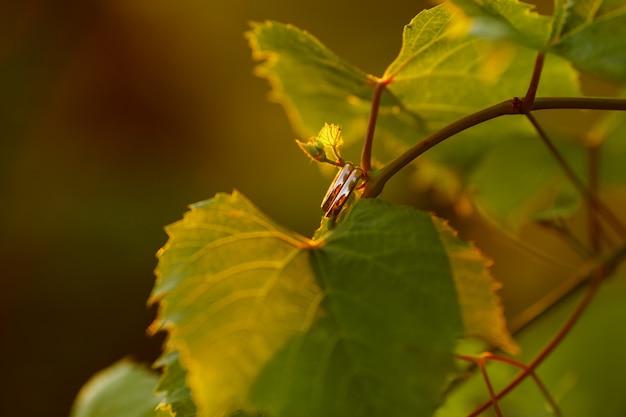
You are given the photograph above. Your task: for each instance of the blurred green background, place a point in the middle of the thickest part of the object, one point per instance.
(114, 116)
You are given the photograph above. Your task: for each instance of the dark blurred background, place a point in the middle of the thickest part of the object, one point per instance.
(114, 115)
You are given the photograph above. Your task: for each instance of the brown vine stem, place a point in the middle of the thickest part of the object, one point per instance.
(366, 153)
(529, 98)
(481, 361)
(377, 181)
(594, 278)
(555, 408)
(376, 185)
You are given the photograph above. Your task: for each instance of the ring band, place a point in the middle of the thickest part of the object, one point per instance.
(345, 182)
(336, 185)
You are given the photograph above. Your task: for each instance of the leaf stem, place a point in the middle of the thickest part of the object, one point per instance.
(366, 153)
(529, 98)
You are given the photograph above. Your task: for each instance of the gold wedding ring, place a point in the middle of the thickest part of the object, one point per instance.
(340, 189)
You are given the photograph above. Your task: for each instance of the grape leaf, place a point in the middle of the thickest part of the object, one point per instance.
(384, 345)
(594, 37)
(262, 316)
(233, 287)
(481, 309)
(313, 84)
(442, 76)
(125, 389)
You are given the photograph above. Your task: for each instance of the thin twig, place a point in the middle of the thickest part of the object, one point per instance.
(596, 204)
(529, 98)
(595, 278)
(492, 393)
(555, 408)
(480, 362)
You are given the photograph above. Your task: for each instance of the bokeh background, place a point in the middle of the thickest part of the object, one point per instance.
(114, 115)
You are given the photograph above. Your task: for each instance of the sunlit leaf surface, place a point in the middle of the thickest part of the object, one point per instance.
(234, 287)
(313, 84)
(507, 19)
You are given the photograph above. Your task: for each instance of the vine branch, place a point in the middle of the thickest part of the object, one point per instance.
(594, 278)
(377, 181)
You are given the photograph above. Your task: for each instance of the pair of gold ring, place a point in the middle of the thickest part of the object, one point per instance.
(340, 189)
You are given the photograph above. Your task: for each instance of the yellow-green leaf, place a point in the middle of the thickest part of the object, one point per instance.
(481, 308)
(234, 287)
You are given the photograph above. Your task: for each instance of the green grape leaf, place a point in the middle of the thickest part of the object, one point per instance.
(125, 389)
(593, 37)
(266, 319)
(176, 395)
(481, 308)
(507, 19)
(313, 84)
(234, 287)
(443, 76)
(385, 343)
